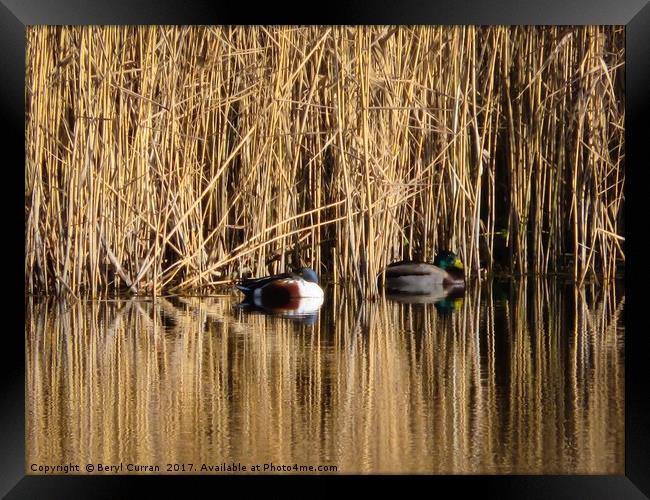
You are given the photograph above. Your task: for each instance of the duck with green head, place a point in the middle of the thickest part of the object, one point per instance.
(444, 275)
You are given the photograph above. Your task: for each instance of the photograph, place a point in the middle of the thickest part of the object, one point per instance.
(386, 246)
(325, 250)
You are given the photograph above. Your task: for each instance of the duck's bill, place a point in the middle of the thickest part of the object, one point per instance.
(458, 264)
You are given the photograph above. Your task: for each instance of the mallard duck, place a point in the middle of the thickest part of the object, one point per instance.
(282, 290)
(445, 274)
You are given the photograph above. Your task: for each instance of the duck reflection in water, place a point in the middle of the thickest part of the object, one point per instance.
(296, 295)
(445, 300)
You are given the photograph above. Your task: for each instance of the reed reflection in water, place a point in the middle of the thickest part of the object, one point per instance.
(523, 379)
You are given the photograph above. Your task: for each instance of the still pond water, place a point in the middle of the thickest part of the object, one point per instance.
(521, 377)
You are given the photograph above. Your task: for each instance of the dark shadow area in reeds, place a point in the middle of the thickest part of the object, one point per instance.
(177, 158)
(521, 378)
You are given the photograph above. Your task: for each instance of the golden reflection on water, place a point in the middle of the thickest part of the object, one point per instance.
(526, 380)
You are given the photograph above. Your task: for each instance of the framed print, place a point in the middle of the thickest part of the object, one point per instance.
(398, 241)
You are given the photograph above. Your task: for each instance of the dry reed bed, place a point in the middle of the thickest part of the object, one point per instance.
(532, 384)
(177, 158)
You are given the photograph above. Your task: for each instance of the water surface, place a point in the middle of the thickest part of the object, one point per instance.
(524, 377)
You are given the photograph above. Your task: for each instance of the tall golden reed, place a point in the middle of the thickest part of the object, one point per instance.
(174, 158)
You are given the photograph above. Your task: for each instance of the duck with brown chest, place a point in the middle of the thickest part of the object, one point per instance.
(296, 292)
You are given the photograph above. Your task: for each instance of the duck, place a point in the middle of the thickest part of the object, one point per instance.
(443, 276)
(282, 290)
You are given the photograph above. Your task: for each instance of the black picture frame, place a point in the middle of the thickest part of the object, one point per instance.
(15, 15)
